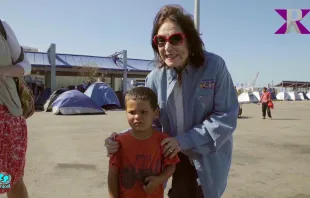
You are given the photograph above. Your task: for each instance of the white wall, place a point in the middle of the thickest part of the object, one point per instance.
(65, 81)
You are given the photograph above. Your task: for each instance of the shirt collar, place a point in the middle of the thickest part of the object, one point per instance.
(189, 69)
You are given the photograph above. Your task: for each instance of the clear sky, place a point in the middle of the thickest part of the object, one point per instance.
(241, 31)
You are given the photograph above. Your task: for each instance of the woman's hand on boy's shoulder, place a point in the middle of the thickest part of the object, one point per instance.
(171, 147)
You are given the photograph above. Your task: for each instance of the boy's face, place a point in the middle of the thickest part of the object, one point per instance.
(140, 114)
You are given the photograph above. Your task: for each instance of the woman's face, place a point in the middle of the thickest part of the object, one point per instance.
(173, 55)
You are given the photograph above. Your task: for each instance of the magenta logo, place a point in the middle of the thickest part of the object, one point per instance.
(292, 18)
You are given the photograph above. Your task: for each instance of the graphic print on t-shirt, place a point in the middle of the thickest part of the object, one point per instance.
(130, 174)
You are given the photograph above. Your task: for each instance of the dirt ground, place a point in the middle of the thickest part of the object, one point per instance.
(67, 159)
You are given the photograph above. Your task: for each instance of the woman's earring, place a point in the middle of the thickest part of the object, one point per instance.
(191, 54)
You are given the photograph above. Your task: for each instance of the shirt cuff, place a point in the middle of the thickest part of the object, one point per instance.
(184, 142)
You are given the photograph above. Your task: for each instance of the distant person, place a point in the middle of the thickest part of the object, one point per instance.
(139, 168)
(265, 99)
(198, 106)
(84, 86)
(13, 126)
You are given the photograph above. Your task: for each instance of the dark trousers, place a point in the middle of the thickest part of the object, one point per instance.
(266, 108)
(184, 180)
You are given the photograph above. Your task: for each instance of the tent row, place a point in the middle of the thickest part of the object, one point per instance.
(97, 98)
(291, 96)
(255, 96)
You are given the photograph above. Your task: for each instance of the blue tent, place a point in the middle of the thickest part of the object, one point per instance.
(74, 102)
(48, 104)
(272, 92)
(44, 97)
(103, 95)
(273, 95)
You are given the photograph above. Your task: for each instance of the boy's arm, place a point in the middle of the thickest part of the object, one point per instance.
(113, 175)
(166, 173)
(169, 167)
(153, 182)
(113, 184)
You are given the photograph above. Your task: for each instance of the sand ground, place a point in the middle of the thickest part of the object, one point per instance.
(67, 159)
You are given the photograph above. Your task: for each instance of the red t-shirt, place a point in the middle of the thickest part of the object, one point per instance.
(265, 97)
(138, 159)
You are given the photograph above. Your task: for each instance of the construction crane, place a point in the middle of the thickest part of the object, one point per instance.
(254, 82)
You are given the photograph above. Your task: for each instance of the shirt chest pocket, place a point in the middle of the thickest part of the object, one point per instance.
(204, 97)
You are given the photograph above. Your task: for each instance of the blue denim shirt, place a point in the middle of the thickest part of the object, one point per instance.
(210, 117)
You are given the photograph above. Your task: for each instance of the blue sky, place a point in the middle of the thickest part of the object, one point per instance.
(241, 31)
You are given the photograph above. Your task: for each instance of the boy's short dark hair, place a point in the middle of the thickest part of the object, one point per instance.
(143, 93)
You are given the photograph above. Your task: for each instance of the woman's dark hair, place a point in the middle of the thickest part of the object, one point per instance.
(185, 20)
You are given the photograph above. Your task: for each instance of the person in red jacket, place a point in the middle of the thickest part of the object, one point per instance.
(265, 99)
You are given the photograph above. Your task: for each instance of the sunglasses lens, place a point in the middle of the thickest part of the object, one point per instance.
(176, 39)
(160, 41)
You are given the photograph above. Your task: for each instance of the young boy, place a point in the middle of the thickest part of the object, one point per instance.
(139, 169)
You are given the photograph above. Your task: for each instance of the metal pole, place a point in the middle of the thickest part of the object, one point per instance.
(197, 14)
(52, 59)
(124, 72)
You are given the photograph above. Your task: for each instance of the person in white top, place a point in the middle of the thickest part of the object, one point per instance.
(13, 126)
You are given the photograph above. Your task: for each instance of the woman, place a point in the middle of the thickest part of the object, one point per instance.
(265, 99)
(198, 106)
(13, 127)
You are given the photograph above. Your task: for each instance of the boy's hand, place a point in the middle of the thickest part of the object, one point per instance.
(111, 145)
(152, 182)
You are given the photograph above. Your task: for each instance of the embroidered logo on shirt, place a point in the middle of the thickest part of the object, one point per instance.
(207, 84)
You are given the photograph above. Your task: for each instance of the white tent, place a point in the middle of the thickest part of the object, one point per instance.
(308, 95)
(294, 95)
(257, 94)
(283, 95)
(248, 97)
